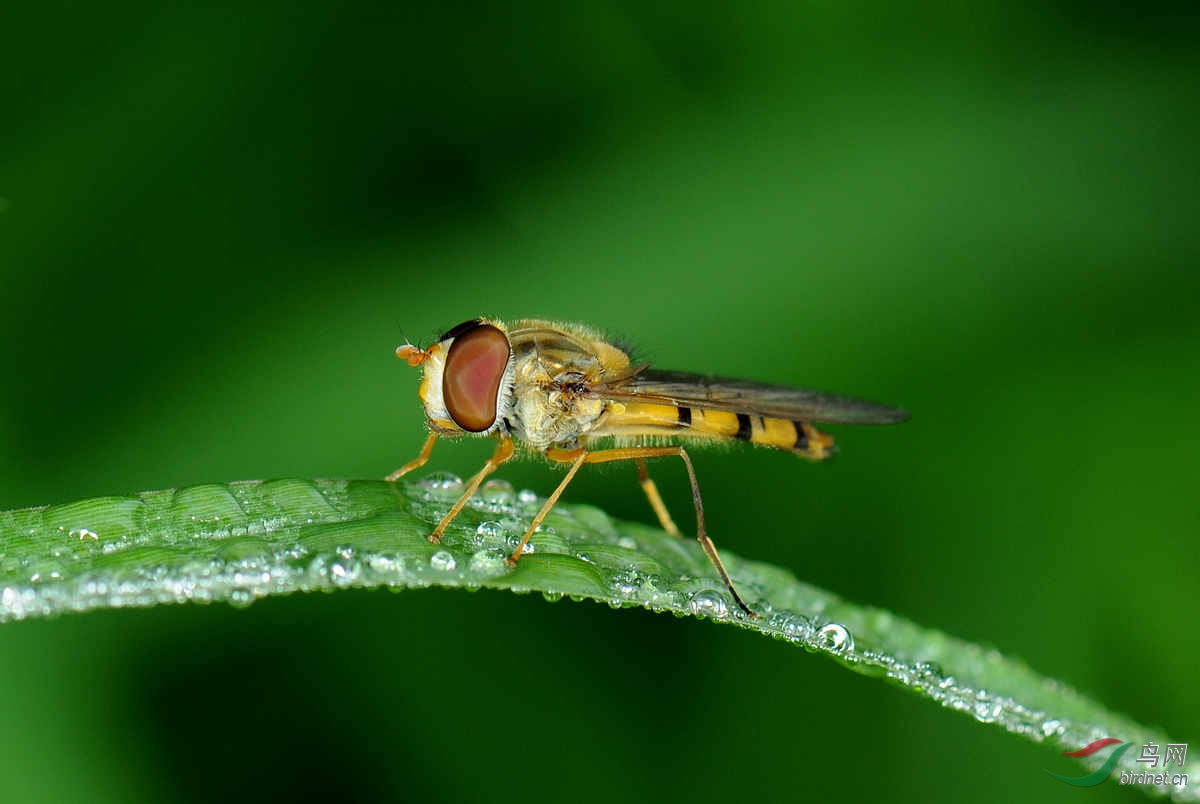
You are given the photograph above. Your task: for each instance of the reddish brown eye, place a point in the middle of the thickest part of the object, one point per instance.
(472, 374)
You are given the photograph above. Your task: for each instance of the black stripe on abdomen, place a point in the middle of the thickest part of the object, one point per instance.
(744, 431)
(801, 438)
(684, 415)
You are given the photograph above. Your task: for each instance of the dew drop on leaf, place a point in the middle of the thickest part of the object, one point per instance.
(442, 560)
(836, 637)
(709, 603)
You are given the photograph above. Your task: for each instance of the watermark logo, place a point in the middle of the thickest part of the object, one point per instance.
(1174, 753)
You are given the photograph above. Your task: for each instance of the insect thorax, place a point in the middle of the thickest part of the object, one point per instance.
(550, 409)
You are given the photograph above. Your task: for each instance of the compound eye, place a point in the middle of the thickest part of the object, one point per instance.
(471, 377)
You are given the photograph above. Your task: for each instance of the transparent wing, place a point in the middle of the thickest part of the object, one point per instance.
(742, 396)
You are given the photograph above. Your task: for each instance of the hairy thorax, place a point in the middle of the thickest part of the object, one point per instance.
(554, 411)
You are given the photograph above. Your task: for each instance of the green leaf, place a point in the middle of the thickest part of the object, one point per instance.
(242, 541)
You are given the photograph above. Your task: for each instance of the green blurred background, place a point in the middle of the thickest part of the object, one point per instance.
(216, 225)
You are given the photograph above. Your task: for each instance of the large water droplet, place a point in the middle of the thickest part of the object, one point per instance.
(497, 492)
(442, 560)
(709, 603)
(489, 533)
(836, 637)
(527, 497)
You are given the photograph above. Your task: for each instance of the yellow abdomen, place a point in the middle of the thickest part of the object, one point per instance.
(633, 419)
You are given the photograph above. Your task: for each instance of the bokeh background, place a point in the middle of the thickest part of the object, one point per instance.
(217, 224)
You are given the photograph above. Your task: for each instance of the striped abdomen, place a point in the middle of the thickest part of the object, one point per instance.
(654, 419)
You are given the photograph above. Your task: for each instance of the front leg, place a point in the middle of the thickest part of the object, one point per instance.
(415, 463)
(504, 451)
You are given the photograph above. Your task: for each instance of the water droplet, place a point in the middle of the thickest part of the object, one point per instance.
(930, 671)
(489, 533)
(340, 573)
(84, 533)
(241, 598)
(628, 542)
(527, 497)
(985, 712)
(1052, 727)
(836, 637)
(440, 480)
(385, 564)
(709, 603)
(552, 597)
(497, 492)
(488, 562)
(442, 560)
(627, 584)
(514, 541)
(795, 627)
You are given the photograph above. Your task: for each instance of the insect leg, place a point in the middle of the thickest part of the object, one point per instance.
(656, 502)
(577, 458)
(415, 463)
(504, 451)
(634, 453)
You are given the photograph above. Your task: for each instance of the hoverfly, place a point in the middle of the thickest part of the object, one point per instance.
(558, 389)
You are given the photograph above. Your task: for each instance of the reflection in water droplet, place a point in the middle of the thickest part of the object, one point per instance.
(241, 598)
(442, 560)
(709, 603)
(836, 637)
